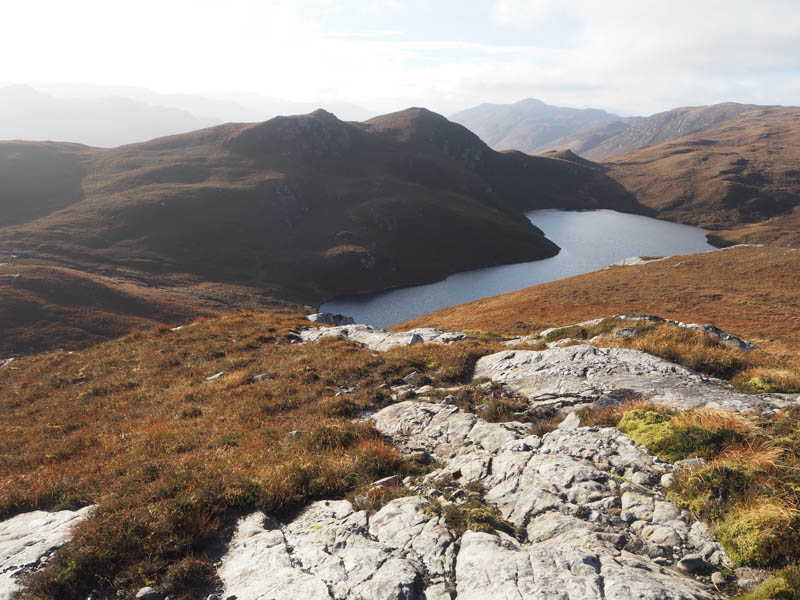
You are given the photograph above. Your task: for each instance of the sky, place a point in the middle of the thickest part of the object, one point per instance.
(633, 57)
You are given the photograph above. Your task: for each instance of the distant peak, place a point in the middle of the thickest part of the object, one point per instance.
(321, 113)
(531, 102)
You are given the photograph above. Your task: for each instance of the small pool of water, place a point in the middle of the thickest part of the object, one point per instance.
(589, 240)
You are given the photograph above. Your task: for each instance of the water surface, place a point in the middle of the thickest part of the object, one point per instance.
(589, 240)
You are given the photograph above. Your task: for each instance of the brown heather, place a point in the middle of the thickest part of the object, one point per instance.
(751, 292)
(133, 426)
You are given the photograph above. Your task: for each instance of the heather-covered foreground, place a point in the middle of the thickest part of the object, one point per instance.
(200, 445)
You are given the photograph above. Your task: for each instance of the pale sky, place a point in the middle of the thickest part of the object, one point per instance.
(628, 56)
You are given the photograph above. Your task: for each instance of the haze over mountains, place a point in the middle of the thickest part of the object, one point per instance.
(534, 127)
(529, 124)
(110, 116)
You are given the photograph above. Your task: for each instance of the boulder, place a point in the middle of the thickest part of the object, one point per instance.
(331, 319)
(380, 339)
(28, 538)
(619, 373)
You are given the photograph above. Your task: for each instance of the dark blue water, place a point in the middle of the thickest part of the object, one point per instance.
(589, 241)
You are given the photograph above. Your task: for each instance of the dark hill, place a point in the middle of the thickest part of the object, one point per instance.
(302, 208)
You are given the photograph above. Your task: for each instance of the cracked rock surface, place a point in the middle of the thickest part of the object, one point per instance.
(583, 529)
(27, 539)
(330, 550)
(590, 372)
(380, 339)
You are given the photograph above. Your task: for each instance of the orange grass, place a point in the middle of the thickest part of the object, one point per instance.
(133, 426)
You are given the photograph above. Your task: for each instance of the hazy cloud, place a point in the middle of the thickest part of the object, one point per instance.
(633, 56)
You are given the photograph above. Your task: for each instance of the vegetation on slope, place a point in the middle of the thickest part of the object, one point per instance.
(747, 488)
(752, 371)
(134, 426)
(749, 291)
(743, 171)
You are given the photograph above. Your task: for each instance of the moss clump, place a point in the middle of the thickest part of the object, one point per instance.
(762, 535)
(708, 490)
(761, 384)
(783, 585)
(657, 432)
(474, 516)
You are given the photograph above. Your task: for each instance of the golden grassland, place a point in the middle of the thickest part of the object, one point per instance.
(169, 458)
(752, 292)
(133, 426)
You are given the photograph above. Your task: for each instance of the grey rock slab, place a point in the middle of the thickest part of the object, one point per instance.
(402, 523)
(257, 565)
(330, 319)
(572, 421)
(380, 339)
(613, 371)
(497, 566)
(26, 538)
(331, 551)
(565, 493)
(582, 529)
(146, 593)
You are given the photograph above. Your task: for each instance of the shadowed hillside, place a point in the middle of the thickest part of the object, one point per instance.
(311, 204)
(297, 208)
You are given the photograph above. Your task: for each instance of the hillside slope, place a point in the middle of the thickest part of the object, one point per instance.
(529, 124)
(601, 141)
(749, 290)
(746, 170)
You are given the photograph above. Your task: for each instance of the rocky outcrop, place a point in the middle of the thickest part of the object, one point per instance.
(380, 339)
(586, 374)
(710, 330)
(330, 319)
(27, 540)
(585, 505)
(330, 550)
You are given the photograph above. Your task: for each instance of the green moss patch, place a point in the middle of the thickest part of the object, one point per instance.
(783, 585)
(656, 431)
(762, 535)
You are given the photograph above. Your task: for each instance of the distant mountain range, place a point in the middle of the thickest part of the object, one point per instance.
(535, 128)
(606, 140)
(110, 116)
(530, 125)
(739, 177)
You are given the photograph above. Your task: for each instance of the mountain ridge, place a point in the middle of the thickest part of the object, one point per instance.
(298, 209)
(527, 124)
